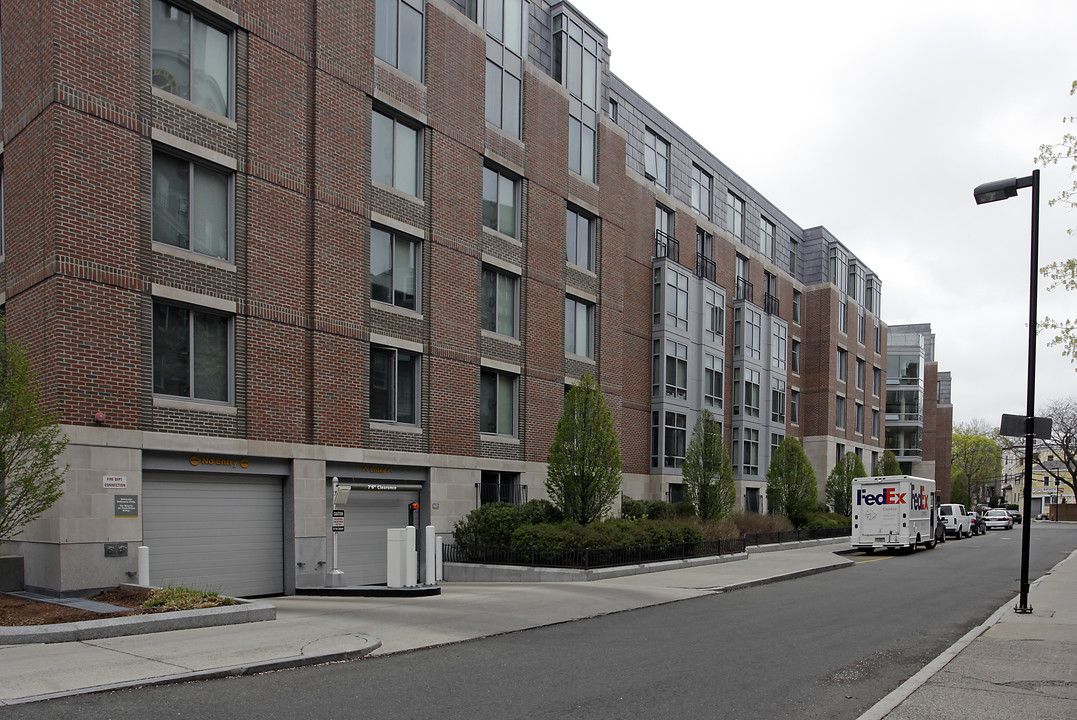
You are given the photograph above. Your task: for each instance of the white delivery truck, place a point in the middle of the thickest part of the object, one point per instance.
(893, 511)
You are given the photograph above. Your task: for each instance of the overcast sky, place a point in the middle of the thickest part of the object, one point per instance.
(877, 120)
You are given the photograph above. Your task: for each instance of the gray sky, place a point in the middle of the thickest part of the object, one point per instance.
(827, 107)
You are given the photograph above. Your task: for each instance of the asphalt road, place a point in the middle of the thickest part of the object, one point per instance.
(824, 646)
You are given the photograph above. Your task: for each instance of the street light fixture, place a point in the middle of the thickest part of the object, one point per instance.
(992, 192)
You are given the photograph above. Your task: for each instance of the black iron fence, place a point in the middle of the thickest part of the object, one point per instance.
(667, 246)
(588, 558)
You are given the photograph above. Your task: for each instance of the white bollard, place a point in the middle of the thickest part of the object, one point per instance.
(143, 565)
(394, 557)
(430, 549)
(411, 560)
(439, 562)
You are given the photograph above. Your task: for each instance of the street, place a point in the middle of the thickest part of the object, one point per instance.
(824, 646)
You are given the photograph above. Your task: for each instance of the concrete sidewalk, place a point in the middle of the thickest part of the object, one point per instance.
(1013, 665)
(311, 630)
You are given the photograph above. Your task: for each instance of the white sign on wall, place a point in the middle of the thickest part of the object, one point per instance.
(115, 482)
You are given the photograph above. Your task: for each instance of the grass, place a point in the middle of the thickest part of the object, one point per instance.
(179, 598)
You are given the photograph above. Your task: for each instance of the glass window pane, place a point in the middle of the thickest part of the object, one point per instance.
(407, 374)
(587, 154)
(574, 128)
(590, 75)
(381, 265)
(510, 109)
(570, 325)
(506, 195)
(493, 93)
(381, 384)
(385, 30)
(494, 16)
(411, 41)
(489, 198)
(171, 200)
(171, 49)
(210, 340)
(505, 397)
(405, 265)
(171, 373)
(209, 226)
(406, 167)
(506, 305)
(488, 402)
(570, 236)
(381, 148)
(575, 68)
(583, 243)
(514, 26)
(209, 88)
(489, 300)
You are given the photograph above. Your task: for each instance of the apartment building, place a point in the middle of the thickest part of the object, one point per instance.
(255, 249)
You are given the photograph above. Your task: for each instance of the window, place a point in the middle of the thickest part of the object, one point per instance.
(766, 237)
(579, 327)
(751, 392)
(856, 281)
(676, 437)
(794, 406)
(775, 440)
(794, 355)
(701, 191)
(192, 353)
(614, 114)
(843, 318)
(843, 365)
(796, 306)
(676, 370)
(705, 267)
(777, 401)
(839, 267)
(713, 315)
(398, 35)
(861, 370)
(778, 347)
(499, 201)
(860, 326)
(839, 412)
(794, 247)
(736, 215)
(502, 98)
(501, 487)
(735, 455)
(191, 58)
(873, 294)
(499, 298)
(576, 63)
(676, 299)
(656, 431)
(579, 243)
(394, 385)
(656, 158)
(878, 337)
(395, 269)
(497, 403)
(713, 381)
(753, 332)
(876, 381)
(751, 452)
(504, 22)
(858, 418)
(396, 154)
(192, 206)
(744, 289)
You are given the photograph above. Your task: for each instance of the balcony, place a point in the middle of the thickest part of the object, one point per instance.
(745, 290)
(666, 246)
(771, 305)
(500, 492)
(705, 267)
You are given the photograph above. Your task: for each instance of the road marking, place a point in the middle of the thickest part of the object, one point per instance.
(872, 560)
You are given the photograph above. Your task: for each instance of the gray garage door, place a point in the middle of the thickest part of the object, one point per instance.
(218, 533)
(363, 546)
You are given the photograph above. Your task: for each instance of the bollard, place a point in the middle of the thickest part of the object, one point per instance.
(143, 566)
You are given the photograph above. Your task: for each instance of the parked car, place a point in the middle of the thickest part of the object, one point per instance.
(998, 518)
(1016, 515)
(940, 531)
(957, 520)
(978, 525)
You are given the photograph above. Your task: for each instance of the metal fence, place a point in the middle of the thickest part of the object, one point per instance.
(588, 558)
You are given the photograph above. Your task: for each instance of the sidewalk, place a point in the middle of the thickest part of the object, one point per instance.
(310, 630)
(1010, 666)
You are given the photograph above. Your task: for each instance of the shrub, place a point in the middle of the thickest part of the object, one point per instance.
(826, 520)
(633, 509)
(537, 512)
(492, 525)
(651, 509)
(722, 529)
(543, 537)
(756, 523)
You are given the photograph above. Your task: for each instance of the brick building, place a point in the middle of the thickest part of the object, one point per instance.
(254, 248)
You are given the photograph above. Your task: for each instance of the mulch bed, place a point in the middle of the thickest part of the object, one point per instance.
(20, 611)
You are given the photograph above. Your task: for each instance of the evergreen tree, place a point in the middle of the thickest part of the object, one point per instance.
(839, 485)
(708, 473)
(583, 477)
(888, 465)
(791, 486)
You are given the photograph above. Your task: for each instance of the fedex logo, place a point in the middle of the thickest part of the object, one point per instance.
(889, 496)
(919, 500)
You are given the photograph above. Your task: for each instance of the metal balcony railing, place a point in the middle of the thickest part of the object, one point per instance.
(500, 492)
(745, 290)
(705, 267)
(770, 304)
(666, 246)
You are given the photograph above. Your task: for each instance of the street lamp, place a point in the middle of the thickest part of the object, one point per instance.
(992, 192)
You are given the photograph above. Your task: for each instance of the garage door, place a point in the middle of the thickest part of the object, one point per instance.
(216, 532)
(363, 546)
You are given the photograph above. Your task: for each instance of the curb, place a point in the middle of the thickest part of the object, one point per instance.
(245, 612)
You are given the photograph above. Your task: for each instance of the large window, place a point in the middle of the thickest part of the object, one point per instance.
(394, 385)
(747, 332)
(656, 158)
(576, 63)
(676, 299)
(396, 154)
(750, 465)
(794, 356)
(580, 239)
(676, 439)
(766, 237)
(192, 58)
(701, 191)
(500, 194)
(676, 370)
(398, 35)
(751, 392)
(192, 206)
(861, 374)
(736, 215)
(794, 246)
(777, 401)
(499, 299)
(579, 327)
(497, 403)
(858, 418)
(794, 406)
(503, 98)
(504, 21)
(779, 344)
(875, 423)
(842, 365)
(713, 315)
(713, 382)
(876, 381)
(192, 353)
(395, 269)
(839, 412)
(839, 267)
(797, 300)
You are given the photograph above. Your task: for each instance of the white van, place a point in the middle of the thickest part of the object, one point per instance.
(956, 520)
(893, 511)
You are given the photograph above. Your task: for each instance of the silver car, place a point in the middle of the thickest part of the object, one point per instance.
(998, 518)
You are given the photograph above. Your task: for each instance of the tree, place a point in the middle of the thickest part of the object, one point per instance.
(708, 472)
(30, 442)
(791, 486)
(1063, 274)
(839, 485)
(1057, 455)
(887, 465)
(583, 476)
(976, 459)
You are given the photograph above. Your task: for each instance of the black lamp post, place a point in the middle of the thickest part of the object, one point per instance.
(991, 192)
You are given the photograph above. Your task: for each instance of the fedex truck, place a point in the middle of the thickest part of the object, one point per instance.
(893, 511)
